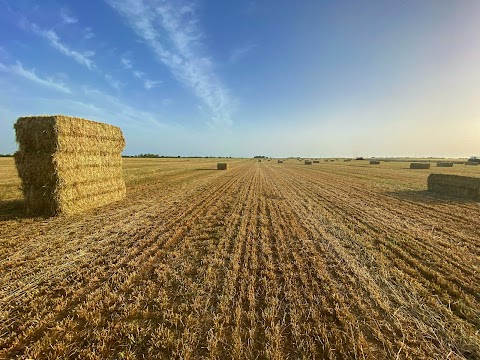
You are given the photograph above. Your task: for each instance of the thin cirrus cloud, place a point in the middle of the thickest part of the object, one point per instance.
(172, 32)
(240, 52)
(150, 84)
(19, 70)
(66, 18)
(83, 58)
(147, 83)
(88, 33)
(127, 63)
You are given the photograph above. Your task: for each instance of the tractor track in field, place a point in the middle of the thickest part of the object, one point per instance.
(260, 261)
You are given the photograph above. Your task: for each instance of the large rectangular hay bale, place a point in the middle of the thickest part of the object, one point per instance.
(444, 164)
(280, 161)
(316, 162)
(308, 162)
(416, 165)
(471, 163)
(374, 162)
(222, 166)
(68, 165)
(455, 185)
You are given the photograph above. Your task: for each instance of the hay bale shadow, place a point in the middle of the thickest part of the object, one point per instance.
(13, 210)
(428, 197)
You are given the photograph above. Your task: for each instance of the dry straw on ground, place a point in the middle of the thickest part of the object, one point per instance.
(374, 162)
(222, 166)
(444, 164)
(455, 185)
(416, 165)
(68, 165)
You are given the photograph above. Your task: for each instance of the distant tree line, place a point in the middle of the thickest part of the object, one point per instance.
(6, 155)
(260, 157)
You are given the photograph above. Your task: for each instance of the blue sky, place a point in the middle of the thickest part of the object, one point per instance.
(241, 78)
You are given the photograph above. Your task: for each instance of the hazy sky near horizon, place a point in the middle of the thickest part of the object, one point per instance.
(244, 78)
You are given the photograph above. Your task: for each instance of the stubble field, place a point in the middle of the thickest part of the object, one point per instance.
(284, 261)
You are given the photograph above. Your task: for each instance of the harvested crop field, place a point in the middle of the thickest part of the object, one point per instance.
(339, 260)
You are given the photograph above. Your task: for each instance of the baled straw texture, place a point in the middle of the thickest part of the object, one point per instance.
(444, 164)
(316, 162)
(280, 161)
(68, 165)
(222, 166)
(416, 165)
(374, 162)
(455, 185)
(308, 162)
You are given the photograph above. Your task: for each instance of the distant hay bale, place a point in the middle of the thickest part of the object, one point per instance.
(259, 160)
(471, 163)
(308, 162)
(332, 160)
(444, 164)
(316, 162)
(222, 166)
(416, 165)
(374, 162)
(326, 160)
(347, 160)
(455, 185)
(68, 165)
(280, 161)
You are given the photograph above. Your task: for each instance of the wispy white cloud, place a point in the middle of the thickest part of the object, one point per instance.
(83, 58)
(19, 70)
(138, 74)
(240, 52)
(172, 32)
(88, 33)
(147, 83)
(113, 82)
(113, 108)
(150, 84)
(66, 18)
(126, 62)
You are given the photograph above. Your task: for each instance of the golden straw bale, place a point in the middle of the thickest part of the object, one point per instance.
(455, 185)
(68, 165)
(416, 165)
(222, 166)
(444, 164)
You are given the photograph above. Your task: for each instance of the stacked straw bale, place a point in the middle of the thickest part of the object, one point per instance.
(68, 165)
(455, 185)
(280, 161)
(374, 162)
(416, 165)
(444, 164)
(222, 166)
(308, 162)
